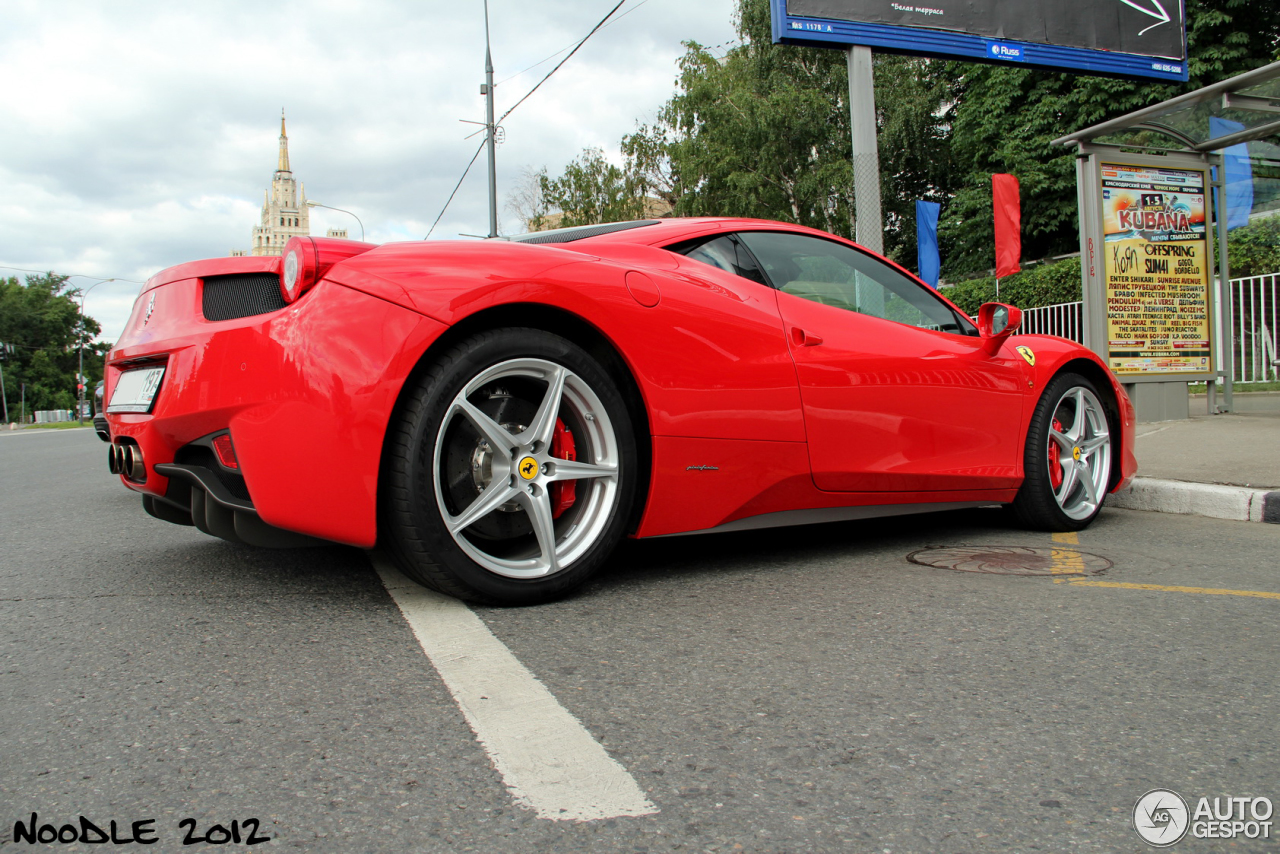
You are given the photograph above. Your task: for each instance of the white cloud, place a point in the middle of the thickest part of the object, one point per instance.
(141, 135)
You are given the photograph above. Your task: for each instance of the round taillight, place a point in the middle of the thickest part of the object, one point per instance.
(299, 271)
(292, 266)
(307, 259)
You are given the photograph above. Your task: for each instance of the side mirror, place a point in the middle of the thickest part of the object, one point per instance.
(997, 320)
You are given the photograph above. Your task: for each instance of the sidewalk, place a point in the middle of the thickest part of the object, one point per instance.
(1226, 466)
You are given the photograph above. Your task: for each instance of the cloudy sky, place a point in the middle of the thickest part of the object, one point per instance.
(138, 135)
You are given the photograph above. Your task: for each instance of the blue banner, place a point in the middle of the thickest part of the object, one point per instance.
(1238, 171)
(927, 241)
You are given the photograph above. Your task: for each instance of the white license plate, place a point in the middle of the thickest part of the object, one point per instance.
(135, 391)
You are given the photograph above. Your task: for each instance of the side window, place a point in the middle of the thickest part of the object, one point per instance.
(837, 275)
(724, 251)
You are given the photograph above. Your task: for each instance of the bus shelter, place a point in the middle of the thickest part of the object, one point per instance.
(1158, 189)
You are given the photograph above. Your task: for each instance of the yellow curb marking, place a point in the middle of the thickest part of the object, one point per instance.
(1065, 561)
(1208, 591)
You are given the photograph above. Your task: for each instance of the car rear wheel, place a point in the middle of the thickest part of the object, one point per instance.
(510, 472)
(1068, 457)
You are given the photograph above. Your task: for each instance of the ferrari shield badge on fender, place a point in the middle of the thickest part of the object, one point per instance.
(1028, 355)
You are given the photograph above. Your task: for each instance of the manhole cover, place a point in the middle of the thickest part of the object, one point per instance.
(1012, 560)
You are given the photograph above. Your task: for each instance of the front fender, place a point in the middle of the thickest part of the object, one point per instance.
(1054, 355)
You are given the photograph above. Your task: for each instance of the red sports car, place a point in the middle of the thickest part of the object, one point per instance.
(497, 415)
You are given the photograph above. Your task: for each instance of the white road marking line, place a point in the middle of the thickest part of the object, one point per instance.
(546, 757)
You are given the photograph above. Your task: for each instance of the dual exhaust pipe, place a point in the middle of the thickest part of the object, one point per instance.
(126, 459)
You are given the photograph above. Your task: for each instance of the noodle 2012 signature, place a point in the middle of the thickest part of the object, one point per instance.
(141, 832)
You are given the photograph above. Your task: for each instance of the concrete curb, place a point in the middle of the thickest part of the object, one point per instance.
(1199, 499)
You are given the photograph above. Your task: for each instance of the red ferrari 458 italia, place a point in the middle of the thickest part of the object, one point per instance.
(496, 415)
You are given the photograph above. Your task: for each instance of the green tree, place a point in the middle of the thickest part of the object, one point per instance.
(763, 131)
(1254, 249)
(1006, 118)
(591, 190)
(40, 328)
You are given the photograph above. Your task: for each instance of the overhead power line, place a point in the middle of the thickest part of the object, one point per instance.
(455, 188)
(483, 142)
(563, 61)
(547, 59)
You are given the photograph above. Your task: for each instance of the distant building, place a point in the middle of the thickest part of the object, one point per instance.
(284, 208)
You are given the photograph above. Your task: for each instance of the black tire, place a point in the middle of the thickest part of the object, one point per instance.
(1041, 503)
(440, 465)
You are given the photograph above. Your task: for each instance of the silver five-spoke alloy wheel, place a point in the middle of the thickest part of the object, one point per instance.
(1079, 453)
(511, 468)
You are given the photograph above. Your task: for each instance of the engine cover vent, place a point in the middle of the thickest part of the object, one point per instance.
(244, 295)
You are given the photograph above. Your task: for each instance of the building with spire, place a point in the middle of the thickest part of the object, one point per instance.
(284, 207)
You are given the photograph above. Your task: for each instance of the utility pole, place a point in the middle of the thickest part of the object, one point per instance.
(80, 378)
(487, 91)
(868, 220)
(4, 397)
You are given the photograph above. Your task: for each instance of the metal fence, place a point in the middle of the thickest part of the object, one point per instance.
(1063, 320)
(1254, 326)
(1255, 316)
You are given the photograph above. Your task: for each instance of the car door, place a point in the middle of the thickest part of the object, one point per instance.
(899, 393)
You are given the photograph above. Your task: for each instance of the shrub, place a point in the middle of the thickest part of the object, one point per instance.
(1044, 284)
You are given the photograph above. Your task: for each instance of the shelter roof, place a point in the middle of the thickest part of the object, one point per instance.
(1251, 99)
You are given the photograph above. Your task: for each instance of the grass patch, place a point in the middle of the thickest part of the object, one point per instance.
(58, 425)
(1198, 388)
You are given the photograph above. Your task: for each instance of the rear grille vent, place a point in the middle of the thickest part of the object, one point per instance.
(198, 455)
(230, 297)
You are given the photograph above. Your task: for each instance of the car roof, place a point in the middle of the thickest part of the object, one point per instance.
(654, 232)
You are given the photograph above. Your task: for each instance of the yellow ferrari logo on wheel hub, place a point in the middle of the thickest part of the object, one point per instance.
(1075, 453)
(528, 468)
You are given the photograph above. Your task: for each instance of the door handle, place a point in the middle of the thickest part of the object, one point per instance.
(804, 339)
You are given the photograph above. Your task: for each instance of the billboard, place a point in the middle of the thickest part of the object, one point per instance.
(1156, 270)
(1127, 38)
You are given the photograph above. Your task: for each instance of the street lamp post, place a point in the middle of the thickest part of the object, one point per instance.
(80, 377)
(314, 204)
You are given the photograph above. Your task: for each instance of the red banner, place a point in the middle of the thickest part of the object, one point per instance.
(1008, 211)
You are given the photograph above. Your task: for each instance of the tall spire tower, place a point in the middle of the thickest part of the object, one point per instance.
(284, 207)
(283, 165)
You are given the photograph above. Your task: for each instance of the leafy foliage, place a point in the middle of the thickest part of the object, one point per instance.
(39, 330)
(763, 131)
(1007, 117)
(1254, 249)
(592, 190)
(1042, 284)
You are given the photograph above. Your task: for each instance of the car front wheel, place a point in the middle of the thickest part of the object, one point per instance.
(1067, 461)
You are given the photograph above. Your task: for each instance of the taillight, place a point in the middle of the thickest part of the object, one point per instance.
(226, 451)
(299, 268)
(306, 259)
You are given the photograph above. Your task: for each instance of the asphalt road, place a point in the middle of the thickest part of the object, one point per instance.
(794, 690)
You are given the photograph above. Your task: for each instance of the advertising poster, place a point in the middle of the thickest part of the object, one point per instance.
(1157, 270)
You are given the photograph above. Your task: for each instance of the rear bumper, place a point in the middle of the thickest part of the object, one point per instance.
(306, 392)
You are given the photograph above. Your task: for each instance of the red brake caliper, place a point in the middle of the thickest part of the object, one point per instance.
(1055, 461)
(565, 492)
